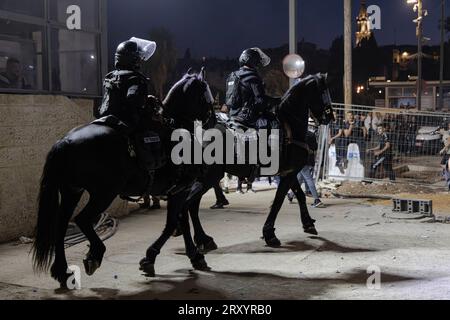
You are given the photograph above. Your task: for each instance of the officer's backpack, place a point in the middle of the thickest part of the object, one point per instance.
(233, 95)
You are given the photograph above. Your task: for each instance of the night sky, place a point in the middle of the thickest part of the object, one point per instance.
(223, 28)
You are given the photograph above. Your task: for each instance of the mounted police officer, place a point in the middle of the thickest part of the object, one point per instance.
(246, 95)
(126, 100)
(126, 89)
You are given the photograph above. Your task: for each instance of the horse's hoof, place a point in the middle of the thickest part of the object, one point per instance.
(273, 242)
(207, 247)
(199, 263)
(147, 267)
(271, 239)
(63, 285)
(91, 265)
(60, 274)
(311, 230)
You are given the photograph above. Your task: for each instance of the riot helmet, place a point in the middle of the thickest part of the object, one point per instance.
(254, 58)
(131, 53)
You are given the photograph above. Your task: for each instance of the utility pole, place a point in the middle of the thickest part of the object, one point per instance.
(441, 75)
(292, 29)
(421, 14)
(348, 82)
(419, 54)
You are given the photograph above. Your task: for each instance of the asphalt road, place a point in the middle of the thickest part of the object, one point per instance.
(413, 258)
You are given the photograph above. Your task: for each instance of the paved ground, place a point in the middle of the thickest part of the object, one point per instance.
(414, 258)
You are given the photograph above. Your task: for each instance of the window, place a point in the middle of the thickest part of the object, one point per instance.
(27, 7)
(410, 92)
(21, 56)
(395, 92)
(39, 53)
(74, 61)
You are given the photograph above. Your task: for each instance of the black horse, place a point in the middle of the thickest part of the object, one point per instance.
(309, 94)
(96, 158)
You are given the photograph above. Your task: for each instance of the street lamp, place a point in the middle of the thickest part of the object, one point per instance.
(293, 5)
(421, 13)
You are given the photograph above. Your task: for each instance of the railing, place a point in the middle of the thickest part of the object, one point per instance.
(384, 144)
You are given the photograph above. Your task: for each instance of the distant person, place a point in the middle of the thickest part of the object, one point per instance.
(377, 119)
(383, 154)
(221, 200)
(306, 174)
(445, 152)
(411, 132)
(249, 183)
(336, 138)
(368, 126)
(354, 133)
(12, 76)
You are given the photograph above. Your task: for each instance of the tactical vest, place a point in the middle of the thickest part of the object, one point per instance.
(116, 86)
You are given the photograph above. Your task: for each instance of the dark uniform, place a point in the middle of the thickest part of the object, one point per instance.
(126, 98)
(253, 100)
(384, 159)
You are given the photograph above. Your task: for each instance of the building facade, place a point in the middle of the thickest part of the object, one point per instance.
(403, 95)
(53, 55)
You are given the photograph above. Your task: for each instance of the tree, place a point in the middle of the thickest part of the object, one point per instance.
(163, 62)
(276, 82)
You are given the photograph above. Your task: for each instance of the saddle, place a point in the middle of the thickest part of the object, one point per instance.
(145, 145)
(245, 136)
(114, 123)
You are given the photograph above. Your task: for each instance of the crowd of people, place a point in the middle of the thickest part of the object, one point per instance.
(381, 139)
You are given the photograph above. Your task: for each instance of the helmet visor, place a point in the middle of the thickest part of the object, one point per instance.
(265, 60)
(146, 48)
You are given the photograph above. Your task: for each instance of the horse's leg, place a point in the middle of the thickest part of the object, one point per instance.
(204, 242)
(174, 214)
(307, 221)
(69, 201)
(269, 226)
(194, 254)
(98, 203)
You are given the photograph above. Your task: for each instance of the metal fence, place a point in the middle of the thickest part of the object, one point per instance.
(367, 143)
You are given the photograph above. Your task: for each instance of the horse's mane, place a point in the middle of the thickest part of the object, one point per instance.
(181, 86)
(299, 90)
(183, 99)
(299, 87)
(174, 97)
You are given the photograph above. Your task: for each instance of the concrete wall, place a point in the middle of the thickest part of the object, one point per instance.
(29, 126)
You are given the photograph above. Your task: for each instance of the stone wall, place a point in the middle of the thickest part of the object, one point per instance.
(29, 126)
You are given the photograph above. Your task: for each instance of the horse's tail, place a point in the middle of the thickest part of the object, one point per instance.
(47, 222)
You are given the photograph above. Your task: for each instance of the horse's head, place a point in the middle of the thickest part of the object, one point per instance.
(190, 100)
(314, 93)
(320, 99)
